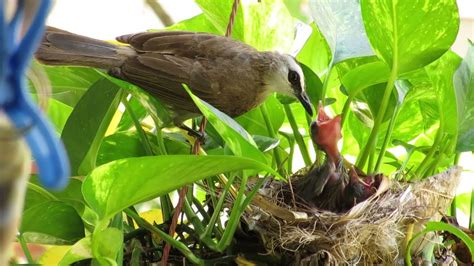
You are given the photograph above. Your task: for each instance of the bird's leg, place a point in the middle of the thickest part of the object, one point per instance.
(201, 136)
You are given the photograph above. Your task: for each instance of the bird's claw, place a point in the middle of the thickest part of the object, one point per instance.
(198, 135)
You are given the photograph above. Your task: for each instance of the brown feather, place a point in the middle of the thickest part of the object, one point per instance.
(216, 68)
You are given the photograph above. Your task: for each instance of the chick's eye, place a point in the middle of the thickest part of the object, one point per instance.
(293, 77)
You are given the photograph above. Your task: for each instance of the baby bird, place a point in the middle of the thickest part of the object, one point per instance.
(335, 185)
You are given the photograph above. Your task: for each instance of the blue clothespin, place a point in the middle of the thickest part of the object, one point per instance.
(15, 56)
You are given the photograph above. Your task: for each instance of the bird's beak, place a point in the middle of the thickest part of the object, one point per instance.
(304, 99)
(326, 132)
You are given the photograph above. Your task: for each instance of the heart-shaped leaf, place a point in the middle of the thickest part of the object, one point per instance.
(113, 187)
(408, 34)
(236, 138)
(52, 222)
(88, 123)
(341, 24)
(464, 89)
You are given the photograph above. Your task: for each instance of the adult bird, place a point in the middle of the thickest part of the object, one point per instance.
(230, 75)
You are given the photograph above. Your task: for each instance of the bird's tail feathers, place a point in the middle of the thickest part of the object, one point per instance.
(60, 47)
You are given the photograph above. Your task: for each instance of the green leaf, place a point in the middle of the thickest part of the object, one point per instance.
(464, 89)
(218, 13)
(113, 187)
(70, 83)
(341, 24)
(81, 250)
(254, 123)
(440, 226)
(106, 245)
(175, 143)
(268, 25)
(408, 34)
(88, 123)
(137, 108)
(128, 144)
(355, 133)
(52, 222)
(158, 111)
(463, 202)
(444, 87)
(372, 97)
(315, 52)
(71, 195)
(58, 113)
(265, 143)
(314, 86)
(295, 7)
(199, 23)
(402, 87)
(265, 25)
(364, 76)
(119, 146)
(235, 137)
(410, 122)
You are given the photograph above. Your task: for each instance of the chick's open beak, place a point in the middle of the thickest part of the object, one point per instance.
(304, 99)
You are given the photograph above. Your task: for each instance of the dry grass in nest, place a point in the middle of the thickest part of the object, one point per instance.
(372, 232)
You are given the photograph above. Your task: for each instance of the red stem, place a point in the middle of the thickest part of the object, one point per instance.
(183, 191)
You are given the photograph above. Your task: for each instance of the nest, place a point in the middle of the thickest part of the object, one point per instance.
(372, 232)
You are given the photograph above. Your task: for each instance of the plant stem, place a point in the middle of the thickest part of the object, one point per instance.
(271, 133)
(471, 215)
(404, 165)
(234, 218)
(298, 138)
(421, 170)
(388, 136)
(173, 242)
(386, 97)
(198, 226)
(217, 209)
(160, 141)
(164, 200)
(141, 133)
(211, 190)
(25, 249)
(166, 207)
(192, 217)
(370, 164)
(326, 82)
(254, 191)
(160, 12)
(445, 146)
(291, 143)
(456, 158)
(200, 209)
(345, 109)
(453, 210)
(372, 141)
(408, 237)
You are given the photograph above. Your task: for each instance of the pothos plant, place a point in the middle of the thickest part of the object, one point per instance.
(406, 101)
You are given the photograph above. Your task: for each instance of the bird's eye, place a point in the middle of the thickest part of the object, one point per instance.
(293, 77)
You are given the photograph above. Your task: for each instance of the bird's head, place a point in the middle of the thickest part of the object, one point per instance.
(286, 77)
(326, 132)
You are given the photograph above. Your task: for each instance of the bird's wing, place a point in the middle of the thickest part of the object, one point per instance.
(165, 60)
(185, 43)
(162, 76)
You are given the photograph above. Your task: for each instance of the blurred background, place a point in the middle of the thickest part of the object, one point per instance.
(106, 19)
